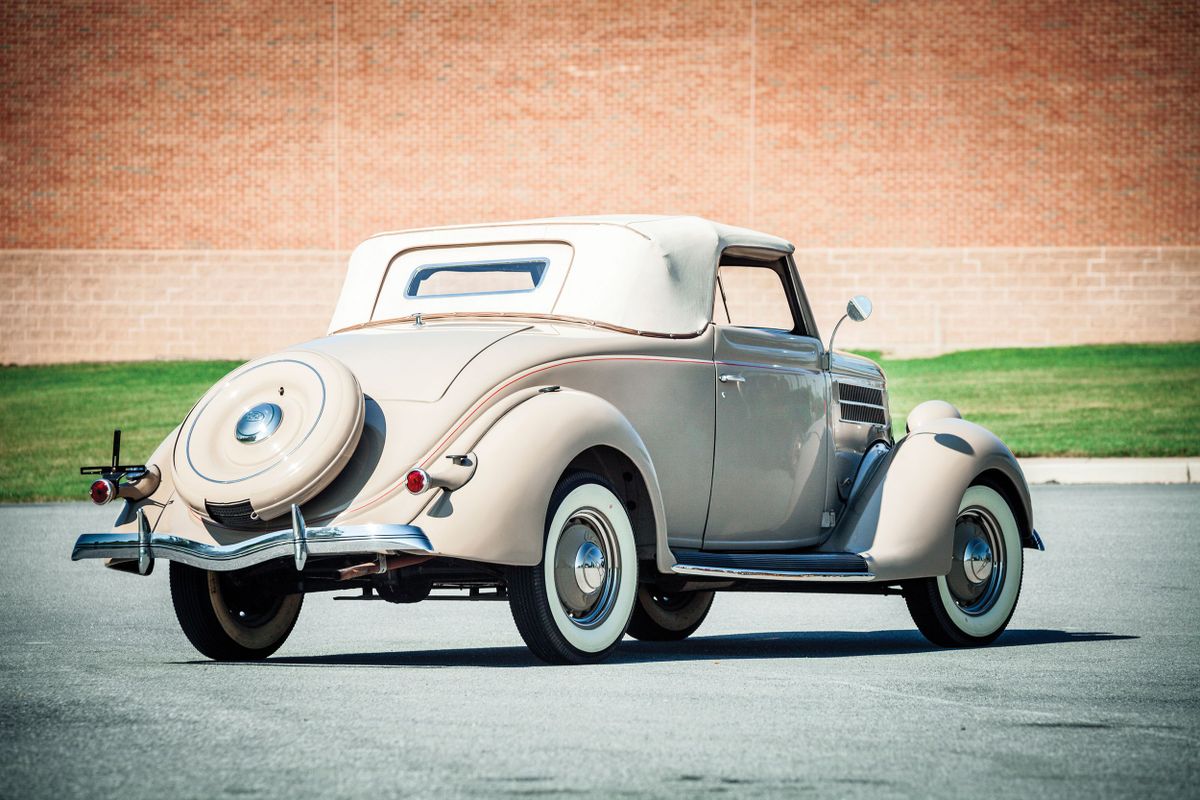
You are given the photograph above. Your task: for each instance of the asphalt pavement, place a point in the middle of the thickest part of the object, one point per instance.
(1094, 691)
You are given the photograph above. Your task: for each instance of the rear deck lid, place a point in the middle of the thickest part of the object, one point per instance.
(411, 362)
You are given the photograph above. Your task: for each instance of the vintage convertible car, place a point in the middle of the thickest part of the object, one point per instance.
(565, 414)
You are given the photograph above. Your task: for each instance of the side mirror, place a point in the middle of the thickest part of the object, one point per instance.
(858, 309)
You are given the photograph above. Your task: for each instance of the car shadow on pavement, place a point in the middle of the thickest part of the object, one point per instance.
(782, 644)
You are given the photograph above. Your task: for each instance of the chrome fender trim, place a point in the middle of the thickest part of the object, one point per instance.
(299, 542)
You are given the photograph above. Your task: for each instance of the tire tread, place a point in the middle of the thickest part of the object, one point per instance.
(645, 628)
(529, 600)
(193, 609)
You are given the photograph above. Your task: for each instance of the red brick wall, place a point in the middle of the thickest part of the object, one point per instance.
(898, 126)
(885, 124)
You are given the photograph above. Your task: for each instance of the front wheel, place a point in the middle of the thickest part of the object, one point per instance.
(972, 604)
(228, 621)
(573, 608)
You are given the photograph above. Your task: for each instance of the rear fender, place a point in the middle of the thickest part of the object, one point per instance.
(902, 519)
(499, 515)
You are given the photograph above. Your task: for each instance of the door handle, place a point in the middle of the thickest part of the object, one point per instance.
(731, 378)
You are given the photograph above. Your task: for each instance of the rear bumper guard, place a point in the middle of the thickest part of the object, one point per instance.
(299, 542)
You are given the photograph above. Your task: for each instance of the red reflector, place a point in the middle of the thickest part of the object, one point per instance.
(102, 491)
(417, 481)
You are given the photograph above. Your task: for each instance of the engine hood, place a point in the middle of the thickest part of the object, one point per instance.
(856, 366)
(409, 362)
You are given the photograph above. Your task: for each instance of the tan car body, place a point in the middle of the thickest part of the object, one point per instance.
(765, 462)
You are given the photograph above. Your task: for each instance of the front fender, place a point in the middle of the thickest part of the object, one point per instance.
(499, 516)
(902, 521)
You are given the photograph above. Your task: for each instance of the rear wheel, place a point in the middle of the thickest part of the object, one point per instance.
(665, 617)
(573, 608)
(973, 603)
(227, 621)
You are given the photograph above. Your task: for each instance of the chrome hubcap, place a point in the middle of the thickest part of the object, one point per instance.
(587, 568)
(977, 560)
(977, 573)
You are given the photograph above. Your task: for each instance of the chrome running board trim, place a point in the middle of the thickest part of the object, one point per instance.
(766, 566)
(771, 575)
(299, 542)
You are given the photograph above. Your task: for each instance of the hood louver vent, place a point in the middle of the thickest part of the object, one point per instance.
(861, 404)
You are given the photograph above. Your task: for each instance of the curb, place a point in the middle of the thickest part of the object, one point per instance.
(1111, 470)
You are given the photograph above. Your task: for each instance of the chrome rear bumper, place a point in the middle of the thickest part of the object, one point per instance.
(299, 543)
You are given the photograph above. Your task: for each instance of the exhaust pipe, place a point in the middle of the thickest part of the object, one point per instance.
(379, 566)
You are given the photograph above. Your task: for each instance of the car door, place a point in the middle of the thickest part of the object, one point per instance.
(771, 457)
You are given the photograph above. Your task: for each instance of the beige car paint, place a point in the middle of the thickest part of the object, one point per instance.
(321, 419)
(500, 515)
(408, 363)
(656, 400)
(903, 520)
(771, 463)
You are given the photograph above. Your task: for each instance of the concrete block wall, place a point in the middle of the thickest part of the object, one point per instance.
(129, 305)
(106, 305)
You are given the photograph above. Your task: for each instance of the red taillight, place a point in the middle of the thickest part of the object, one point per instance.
(102, 491)
(417, 481)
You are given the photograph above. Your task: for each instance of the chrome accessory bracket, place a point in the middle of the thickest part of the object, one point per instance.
(115, 470)
(145, 556)
(299, 543)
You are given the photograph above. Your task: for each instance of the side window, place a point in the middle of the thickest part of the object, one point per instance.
(752, 297)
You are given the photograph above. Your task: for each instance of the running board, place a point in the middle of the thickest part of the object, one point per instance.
(841, 567)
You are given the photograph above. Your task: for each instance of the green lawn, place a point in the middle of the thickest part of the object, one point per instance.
(1112, 400)
(1074, 401)
(55, 419)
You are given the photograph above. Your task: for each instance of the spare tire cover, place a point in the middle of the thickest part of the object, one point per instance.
(271, 433)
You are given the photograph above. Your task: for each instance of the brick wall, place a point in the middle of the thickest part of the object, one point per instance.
(105, 305)
(186, 140)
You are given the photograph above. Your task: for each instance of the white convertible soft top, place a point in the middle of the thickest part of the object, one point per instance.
(646, 273)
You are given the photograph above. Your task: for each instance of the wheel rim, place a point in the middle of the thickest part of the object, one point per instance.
(671, 602)
(977, 573)
(246, 607)
(587, 568)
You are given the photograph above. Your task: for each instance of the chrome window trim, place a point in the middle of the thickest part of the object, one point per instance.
(426, 271)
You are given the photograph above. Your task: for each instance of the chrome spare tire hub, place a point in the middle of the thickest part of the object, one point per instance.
(977, 572)
(587, 568)
(258, 423)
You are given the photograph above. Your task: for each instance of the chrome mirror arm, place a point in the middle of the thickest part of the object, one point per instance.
(858, 309)
(827, 356)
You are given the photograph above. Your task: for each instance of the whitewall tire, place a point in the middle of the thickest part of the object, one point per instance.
(574, 607)
(973, 603)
